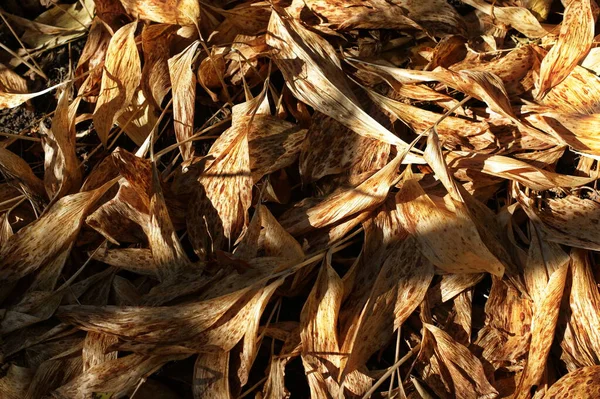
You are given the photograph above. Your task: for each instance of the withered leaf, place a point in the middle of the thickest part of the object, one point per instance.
(573, 44)
(30, 248)
(122, 75)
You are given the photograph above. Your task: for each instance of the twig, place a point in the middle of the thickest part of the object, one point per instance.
(23, 46)
(391, 371)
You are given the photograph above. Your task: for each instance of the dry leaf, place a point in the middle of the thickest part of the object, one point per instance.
(582, 383)
(183, 82)
(465, 369)
(122, 75)
(30, 247)
(573, 44)
(312, 72)
(175, 12)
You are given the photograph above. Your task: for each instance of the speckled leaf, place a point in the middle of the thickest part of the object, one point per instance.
(122, 75)
(183, 81)
(573, 44)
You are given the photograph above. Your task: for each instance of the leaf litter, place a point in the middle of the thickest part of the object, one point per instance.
(300, 198)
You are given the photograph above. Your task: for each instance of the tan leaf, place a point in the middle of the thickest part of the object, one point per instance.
(12, 100)
(449, 240)
(155, 72)
(175, 12)
(19, 174)
(399, 289)
(570, 220)
(176, 324)
(95, 348)
(183, 81)
(138, 119)
(273, 144)
(15, 382)
(584, 300)
(137, 260)
(540, 8)
(91, 59)
(30, 248)
(116, 376)
(211, 376)
(543, 325)
(62, 172)
(349, 14)
(455, 132)
(122, 75)
(465, 369)
(320, 347)
(370, 193)
(313, 74)
(573, 44)
(582, 383)
(218, 210)
(167, 252)
(518, 17)
(11, 82)
(513, 169)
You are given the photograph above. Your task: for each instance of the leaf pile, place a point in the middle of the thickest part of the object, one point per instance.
(307, 198)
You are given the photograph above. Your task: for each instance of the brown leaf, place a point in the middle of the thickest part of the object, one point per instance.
(218, 210)
(155, 72)
(313, 74)
(183, 82)
(546, 309)
(175, 12)
(368, 194)
(18, 173)
(156, 325)
(320, 347)
(211, 376)
(513, 169)
(518, 17)
(95, 349)
(349, 14)
(31, 248)
(465, 369)
(582, 383)
(399, 289)
(573, 44)
(15, 382)
(122, 75)
(116, 376)
(62, 172)
(570, 220)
